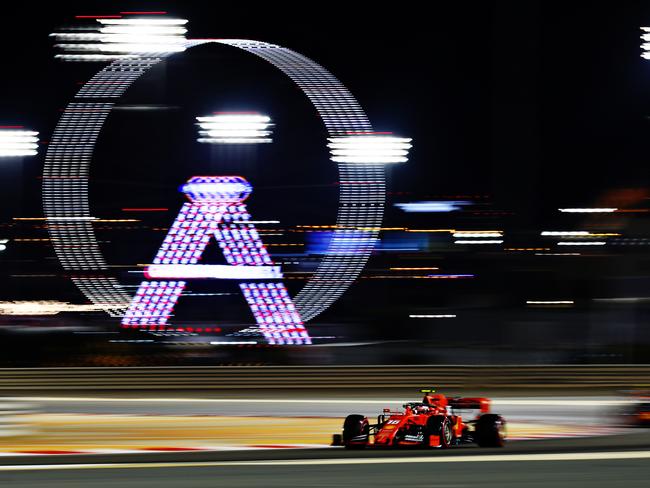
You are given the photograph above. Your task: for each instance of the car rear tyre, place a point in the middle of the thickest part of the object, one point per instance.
(356, 430)
(440, 426)
(490, 430)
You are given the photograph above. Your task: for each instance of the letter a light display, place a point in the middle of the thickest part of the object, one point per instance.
(216, 209)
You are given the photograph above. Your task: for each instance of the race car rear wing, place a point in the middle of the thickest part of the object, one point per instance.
(482, 404)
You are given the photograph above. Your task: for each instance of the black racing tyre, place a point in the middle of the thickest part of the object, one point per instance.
(355, 426)
(441, 426)
(490, 430)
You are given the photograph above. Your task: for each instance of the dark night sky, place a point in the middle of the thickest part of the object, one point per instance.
(531, 105)
(540, 104)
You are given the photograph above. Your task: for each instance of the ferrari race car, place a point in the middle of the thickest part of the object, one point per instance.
(637, 413)
(435, 422)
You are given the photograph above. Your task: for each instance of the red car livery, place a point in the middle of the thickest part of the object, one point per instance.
(434, 422)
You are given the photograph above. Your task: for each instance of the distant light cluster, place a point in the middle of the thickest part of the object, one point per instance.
(369, 148)
(16, 142)
(235, 128)
(118, 38)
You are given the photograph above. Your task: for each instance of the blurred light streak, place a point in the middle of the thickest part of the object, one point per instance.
(489, 241)
(3, 244)
(43, 307)
(581, 243)
(430, 206)
(443, 316)
(478, 234)
(579, 233)
(235, 128)
(18, 143)
(623, 300)
(587, 210)
(369, 148)
(550, 302)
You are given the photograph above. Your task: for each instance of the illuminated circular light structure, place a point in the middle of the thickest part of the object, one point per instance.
(235, 128)
(362, 186)
(18, 142)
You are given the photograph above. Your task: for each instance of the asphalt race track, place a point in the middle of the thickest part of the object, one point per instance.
(613, 460)
(622, 460)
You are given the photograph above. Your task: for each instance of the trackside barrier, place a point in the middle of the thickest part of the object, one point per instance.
(330, 377)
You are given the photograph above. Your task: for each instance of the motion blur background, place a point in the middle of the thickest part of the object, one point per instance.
(516, 110)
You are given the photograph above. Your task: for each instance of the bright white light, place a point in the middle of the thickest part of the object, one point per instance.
(369, 149)
(581, 243)
(587, 210)
(94, 57)
(478, 234)
(142, 22)
(450, 206)
(234, 129)
(3, 244)
(565, 233)
(549, 302)
(123, 38)
(44, 307)
(216, 271)
(447, 316)
(14, 143)
(489, 241)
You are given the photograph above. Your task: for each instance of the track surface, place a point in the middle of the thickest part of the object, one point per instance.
(618, 460)
(596, 462)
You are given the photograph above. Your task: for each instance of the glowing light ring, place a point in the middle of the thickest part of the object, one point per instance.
(67, 163)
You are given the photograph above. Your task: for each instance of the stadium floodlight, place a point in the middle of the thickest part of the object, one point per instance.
(122, 38)
(17, 143)
(235, 128)
(370, 149)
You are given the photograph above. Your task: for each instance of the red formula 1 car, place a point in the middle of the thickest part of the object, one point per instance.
(637, 412)
(434, 422)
